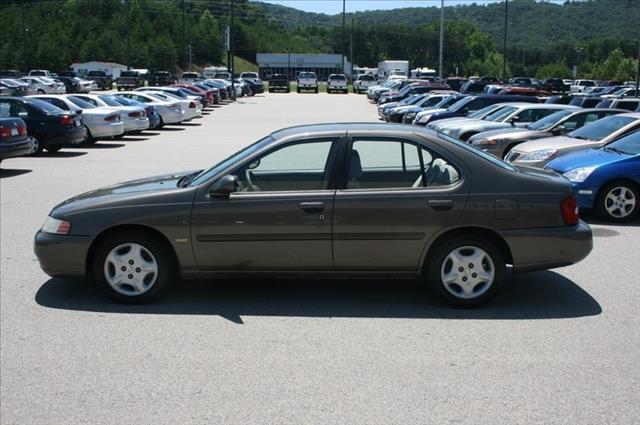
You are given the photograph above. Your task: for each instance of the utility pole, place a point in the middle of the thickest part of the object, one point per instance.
(128, 34)
(343, 25)
(441, 39)
(24, 39)
(190, 57)
(232, 63)
(638, 72)
(351, 55)
(184, 50)
(504, 46)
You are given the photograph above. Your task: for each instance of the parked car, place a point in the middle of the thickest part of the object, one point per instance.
(473, 87)
(456, 83)
(14, 140)
(70, 74)
(579, 86)
(511, 115)
(250, 75)
(71, 84)
(500, 142)
(10, 73)
(17, 87)
(129, 80)
(384, 108)
(337, 83)
(524, 91)
(411, 116)
(170, 112)
(469, 104)
(426, 216)
(155, 121)
(162, 78)
(48, 127)
(40, 73)
(44, 85)
(363, 82)
(307, 81)
(100, 122)
(279, 82)
(555, 85)
(203, 96)
(256, 85)
(190, 77)
(101, 78)
(86, 86)
(623, 92)
(585, 101)
(212, 90)
(411, 89)
(538, 153)
(190, 104)
(134, 117)
(630, 104)
(559, 99)
(427, 100)
(606, 179)
(222, 87)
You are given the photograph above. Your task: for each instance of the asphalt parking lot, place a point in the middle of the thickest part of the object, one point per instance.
(555, 347)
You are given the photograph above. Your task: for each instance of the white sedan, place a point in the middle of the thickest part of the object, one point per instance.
(101, 122)
(170, 111)
(134, 117)
(190, 104)
(43, 85)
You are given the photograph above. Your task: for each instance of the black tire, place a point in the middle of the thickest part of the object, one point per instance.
(438, 263)
(614, 189)
(53, 148)
(270, 91)
(161, 124)
(154, 245)
(316, 91)
(298, 90)
(39, 147)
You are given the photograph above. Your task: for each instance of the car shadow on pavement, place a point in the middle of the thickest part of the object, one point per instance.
(134, 139)
(593, 220)
(189, 124)
(12, 172)
(59, 154)
(165, 128)
(540, 295)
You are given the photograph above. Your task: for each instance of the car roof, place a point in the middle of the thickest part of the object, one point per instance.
(319, 129)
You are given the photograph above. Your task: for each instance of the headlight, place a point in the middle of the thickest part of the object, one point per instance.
(540, 155)
(411, 116)
(579, 175)
(55, 226)
(424, 119)
(484, 142)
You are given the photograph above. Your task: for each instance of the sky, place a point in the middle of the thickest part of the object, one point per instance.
(335, 6)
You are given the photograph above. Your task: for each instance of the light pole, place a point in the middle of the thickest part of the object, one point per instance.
(504, 46)
(343, 28)
(638, 72)
(441, 39)
(232, 64)
(579, 51)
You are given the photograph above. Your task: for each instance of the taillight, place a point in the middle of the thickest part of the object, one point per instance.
(135, 114)
(22, 130)
(192, 105)
(113, 118)
(569, 207)
(67, 120)
(5, 132)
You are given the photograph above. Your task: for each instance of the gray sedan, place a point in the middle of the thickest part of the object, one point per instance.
(500, 142)
(537, 153)
(324, 200)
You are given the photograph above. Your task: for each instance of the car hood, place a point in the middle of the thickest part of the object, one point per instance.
(588, 158)
(511, 133)
(406, 108)
(134, 192)
(429, 112)
(557, 142)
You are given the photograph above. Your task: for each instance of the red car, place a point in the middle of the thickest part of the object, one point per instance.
(525, 91)
(198, 90)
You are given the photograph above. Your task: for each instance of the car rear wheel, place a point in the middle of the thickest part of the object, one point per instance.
(36, 146)
(618, 201)
(133, 267)
(53, 148)
(467, 271)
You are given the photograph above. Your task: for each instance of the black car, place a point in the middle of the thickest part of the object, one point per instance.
(162, 78)
(71, 84)
(71, 74)
(279, 82)
(585, 101)
(559, 99)
(406, 92)
(10, 73)
(473, 87)
(555, 85)
(324, 200)
(255, 84)
(129, 80)
(48, 126)
(101, 78)
(14, 140)
(470, 104)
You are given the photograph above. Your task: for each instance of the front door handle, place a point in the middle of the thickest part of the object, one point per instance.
(312, 207)
(441, 204)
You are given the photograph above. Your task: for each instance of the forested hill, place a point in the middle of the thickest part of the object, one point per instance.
(531, 23)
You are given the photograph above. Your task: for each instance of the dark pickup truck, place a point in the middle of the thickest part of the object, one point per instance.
(162, 78)
(129, 80)
(279, 82)
(101, 78)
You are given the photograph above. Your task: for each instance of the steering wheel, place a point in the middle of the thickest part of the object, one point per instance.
(250, 184)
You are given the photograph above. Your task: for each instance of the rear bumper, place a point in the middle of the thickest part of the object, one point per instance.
(17, 148)
(546, 248)
(73, 136)
(107, 129)
(171, 117)
(136, 124)
(62, 256)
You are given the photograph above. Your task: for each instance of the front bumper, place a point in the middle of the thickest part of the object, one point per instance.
(550, 247)
(62, 256)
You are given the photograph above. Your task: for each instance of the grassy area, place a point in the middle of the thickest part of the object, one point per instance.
(242, 65)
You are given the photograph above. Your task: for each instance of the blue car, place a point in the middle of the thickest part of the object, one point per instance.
(606, 179)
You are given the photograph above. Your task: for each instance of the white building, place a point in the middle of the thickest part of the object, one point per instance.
(292, 63)
(110, 68)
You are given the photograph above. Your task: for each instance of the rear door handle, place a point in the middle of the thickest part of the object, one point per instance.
(312, 207)
(441, 204)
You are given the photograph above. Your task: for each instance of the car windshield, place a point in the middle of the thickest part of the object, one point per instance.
(446, 102)
(627, 145)
(601, 128)
(365, 78)
(338, 77)
(501, 113)
(128, 74)
(109, 100)
(415, 99)
(237, 157)
(549, 121)
(307, 75)
(481, 113)
(80, 102)
(460, 104)
(126, 101)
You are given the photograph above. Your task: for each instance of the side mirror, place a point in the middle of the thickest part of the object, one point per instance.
(223, 187)
(561, 129)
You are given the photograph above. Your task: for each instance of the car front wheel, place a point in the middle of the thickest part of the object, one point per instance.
(133, 267)
(467, 271)
(618, 201)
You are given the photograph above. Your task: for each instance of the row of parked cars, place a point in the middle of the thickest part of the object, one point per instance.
(592, 140)
(33, 123)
